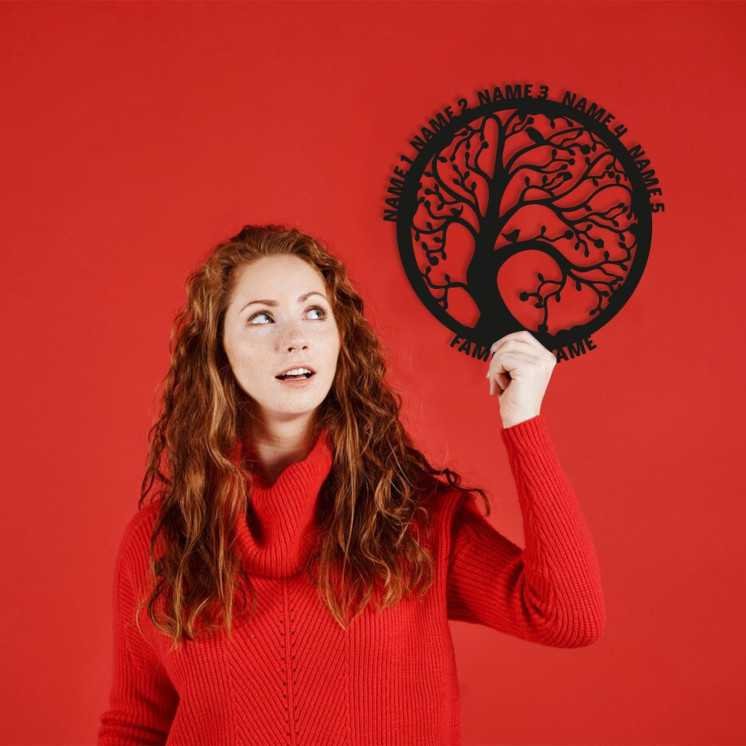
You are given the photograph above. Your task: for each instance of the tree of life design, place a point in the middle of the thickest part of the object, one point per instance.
(527, 219)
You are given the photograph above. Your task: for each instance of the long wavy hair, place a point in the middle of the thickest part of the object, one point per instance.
(375, 503)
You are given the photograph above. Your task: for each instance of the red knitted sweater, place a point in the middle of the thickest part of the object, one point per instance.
(292, 676)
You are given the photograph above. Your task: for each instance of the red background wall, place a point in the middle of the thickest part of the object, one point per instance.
(135, 136)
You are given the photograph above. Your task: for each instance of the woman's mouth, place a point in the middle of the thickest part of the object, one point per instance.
(298, 380)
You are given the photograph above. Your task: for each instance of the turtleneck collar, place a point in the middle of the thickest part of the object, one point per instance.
(275, 536)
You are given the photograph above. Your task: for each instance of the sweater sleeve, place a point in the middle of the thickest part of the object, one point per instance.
(549, 592)
(142, 700)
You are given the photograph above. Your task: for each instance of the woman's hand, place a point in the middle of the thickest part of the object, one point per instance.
(520, 368)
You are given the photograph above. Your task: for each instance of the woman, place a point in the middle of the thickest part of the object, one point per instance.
(300, 559)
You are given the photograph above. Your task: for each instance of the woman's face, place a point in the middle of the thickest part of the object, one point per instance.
(283, 330)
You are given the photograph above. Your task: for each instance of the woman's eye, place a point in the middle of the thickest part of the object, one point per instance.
(268, 315)
(261, 313)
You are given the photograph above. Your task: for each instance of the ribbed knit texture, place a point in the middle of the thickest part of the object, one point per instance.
(290, 676)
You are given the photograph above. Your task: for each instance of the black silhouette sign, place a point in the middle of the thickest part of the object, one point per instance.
(524, 213)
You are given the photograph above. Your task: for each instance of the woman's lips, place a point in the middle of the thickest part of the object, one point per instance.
(299, 382)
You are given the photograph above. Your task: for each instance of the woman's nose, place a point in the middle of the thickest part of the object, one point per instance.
(295, 338)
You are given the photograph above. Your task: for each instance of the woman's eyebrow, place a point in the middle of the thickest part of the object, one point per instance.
(270, 302)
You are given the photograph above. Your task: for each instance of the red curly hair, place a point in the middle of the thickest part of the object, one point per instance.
(376, 498)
